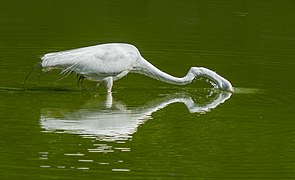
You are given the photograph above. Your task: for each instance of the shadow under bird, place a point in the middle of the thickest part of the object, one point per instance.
(110, 62)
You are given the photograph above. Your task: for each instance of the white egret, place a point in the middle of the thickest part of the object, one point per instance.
(110, 62)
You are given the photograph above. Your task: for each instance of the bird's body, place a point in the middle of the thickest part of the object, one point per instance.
(110, 62)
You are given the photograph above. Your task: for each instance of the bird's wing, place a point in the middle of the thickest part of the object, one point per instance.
(100, 59)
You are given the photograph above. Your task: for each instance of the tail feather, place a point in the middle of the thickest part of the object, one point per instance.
(38, 65)
(53, 60)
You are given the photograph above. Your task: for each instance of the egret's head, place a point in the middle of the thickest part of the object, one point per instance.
(221, 82)
(226, 85)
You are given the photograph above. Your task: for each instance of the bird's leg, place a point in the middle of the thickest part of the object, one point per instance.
(109, 83)
(109, 101)
(81, 78)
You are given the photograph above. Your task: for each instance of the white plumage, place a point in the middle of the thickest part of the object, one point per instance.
(110, 62)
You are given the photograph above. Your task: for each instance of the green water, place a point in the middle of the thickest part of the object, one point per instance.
(149, 129)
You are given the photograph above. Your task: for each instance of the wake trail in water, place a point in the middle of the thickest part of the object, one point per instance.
(240, 90)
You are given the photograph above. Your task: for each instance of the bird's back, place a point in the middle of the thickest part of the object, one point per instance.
(102, 59)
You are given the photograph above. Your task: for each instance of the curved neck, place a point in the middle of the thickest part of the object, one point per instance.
(150, 70)
(146, 68)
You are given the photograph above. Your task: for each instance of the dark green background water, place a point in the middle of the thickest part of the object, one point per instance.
(54, 128)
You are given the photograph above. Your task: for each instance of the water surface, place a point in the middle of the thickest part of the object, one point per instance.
(149, 129)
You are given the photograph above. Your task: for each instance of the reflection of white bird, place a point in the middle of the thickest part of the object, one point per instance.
(110, 62)
(119, 122)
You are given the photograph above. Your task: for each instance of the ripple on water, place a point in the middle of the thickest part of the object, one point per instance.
(121, 170)
(74, 154)
(239, 90)
(85, 160)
